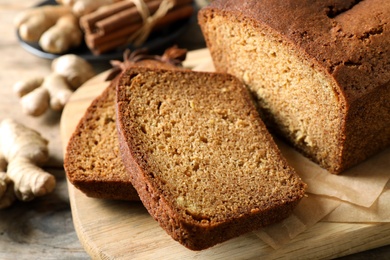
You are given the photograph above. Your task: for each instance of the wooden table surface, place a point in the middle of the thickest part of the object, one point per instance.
(43, 228)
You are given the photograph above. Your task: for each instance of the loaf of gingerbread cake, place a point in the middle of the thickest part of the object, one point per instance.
(319, 70)
(199, 156)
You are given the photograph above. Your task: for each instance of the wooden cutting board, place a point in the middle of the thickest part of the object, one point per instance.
(124, 230)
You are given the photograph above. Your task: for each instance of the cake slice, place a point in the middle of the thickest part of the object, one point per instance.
(92, 161)
(320, 70)
(199, 156)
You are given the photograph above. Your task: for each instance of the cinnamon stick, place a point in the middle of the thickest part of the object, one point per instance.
(87, 22)
(94, 40)
(124, 18)
(131, 16)
(106, 42)
(125, 29)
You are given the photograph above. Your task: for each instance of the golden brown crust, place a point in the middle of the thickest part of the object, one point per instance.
(203, 183)
(331, 32)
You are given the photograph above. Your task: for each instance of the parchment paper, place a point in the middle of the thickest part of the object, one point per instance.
(359, 195)
(360, 185)
(377, 213)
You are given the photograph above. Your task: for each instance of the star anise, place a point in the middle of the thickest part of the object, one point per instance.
(173, 55)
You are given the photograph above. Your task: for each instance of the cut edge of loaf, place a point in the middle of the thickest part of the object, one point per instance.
(200, 229)
(270, 63)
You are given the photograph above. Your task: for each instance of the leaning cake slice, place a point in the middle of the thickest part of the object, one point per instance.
(199, 156)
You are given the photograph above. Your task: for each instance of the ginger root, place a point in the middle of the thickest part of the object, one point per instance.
(25, 86)
(24, 150)
(54, 27)
(32, 23)
(30, 181)
(63, 36)
(19, 141)
(53, 91)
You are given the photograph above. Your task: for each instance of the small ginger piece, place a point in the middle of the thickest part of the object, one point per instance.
(59, 90)
(36, 102)
(25, 150)
(22, 87)
(75, 69)
(54, 92)
(63, 36)
(32, 23)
